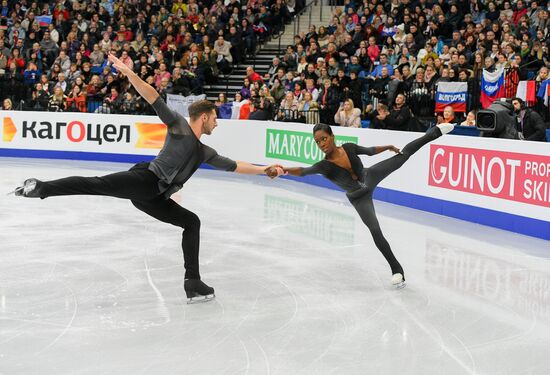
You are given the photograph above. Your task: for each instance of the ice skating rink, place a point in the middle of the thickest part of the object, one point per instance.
(90, 285)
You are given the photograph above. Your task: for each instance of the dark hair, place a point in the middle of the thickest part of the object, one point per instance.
(198, 108)
(520, 100)
(322, 127)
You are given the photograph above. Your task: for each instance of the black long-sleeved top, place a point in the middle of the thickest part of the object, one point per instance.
(340, 176)
(182, 153)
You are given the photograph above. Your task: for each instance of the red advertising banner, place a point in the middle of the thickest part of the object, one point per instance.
(507, 175)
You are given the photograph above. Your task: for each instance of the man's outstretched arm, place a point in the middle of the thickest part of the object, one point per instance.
(248, 168)
(146, 91)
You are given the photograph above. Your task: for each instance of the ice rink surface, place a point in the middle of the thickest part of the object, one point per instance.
(90, 285)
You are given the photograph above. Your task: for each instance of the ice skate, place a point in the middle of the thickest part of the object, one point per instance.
(445, 128)
(197, 291)
(398, 281)
(29, 189)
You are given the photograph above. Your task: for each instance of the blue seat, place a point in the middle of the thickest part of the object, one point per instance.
(365, 123)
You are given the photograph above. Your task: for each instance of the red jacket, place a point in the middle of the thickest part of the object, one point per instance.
(255, 77)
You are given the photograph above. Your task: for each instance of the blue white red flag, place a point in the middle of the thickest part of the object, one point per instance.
(451, 93)
(492, 86)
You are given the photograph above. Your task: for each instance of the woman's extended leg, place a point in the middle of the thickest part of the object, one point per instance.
(365, 208)
(383, 169)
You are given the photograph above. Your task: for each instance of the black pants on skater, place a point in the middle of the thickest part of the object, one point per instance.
(373, 176)
(140, 185)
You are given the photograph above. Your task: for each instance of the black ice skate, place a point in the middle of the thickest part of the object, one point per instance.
(30, 189)
(197, 291)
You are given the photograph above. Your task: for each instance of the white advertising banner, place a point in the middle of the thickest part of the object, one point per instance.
(507, 176)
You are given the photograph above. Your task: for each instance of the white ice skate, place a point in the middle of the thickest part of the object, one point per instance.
(197, 291)
(445, 128)
(398, 281)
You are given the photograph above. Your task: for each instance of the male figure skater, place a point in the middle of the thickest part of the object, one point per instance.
(150, 185)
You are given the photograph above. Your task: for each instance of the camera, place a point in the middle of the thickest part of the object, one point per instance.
(498, 121)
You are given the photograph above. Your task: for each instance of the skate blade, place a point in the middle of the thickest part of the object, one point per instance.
(400, 285)
(200, 299)
(14, 192)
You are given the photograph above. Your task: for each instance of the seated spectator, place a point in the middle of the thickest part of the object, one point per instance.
(222, 99)
(111, 103)
(377, 118)
(17, 59)
(309, 109)
(399, 115)
(253, 76)
(31, 74)
(58, 100)
(223, 49)
(277, 90)
(161, 73)
(288, 108)
(470, 119)
(448, 116)
(40, 98)
(262, 110)
(329, 99)
(377, 72)
(347, 115)
(76, 100)
(378, 89)
(7, 105)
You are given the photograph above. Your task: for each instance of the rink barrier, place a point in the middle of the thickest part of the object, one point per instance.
(504, 195)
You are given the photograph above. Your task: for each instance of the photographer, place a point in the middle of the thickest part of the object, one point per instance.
(529, 123)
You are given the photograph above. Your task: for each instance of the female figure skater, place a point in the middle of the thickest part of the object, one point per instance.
(149, 186)
(343, 167)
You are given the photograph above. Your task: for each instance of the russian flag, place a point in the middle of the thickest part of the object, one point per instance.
(492, 86)
(453, 94)
(43, 21)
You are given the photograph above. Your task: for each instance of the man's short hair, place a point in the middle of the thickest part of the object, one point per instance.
(198, 108)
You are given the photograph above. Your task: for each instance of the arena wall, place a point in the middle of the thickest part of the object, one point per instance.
(500, 183)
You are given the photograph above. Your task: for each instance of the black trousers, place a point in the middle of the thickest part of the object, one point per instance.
(140, 185)
(374, 175)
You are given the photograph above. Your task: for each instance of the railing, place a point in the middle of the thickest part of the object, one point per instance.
(307, 9)
(311, 116)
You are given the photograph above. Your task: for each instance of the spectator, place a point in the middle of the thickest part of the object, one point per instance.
(377, 118)
(328, 100)
(63, 61)
(7, 105)
(58, 100)
(288, 108)
(277, 90)
(17, 59)
(347, 115)
(253, 76)
(470, 119)
(61, 82)
(448, 116)
(308, 108)
(377, 72)
(223, 49)
(76, 100)
(399, 116)
(529, 124)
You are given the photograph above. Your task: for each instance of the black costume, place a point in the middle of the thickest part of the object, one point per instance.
(150, 185)
(360, 191)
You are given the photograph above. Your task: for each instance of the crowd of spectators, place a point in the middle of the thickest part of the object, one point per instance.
(374, 60)
(53, 55)
(377, 58)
